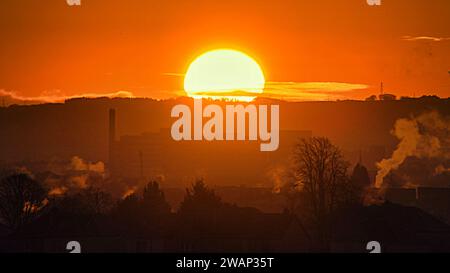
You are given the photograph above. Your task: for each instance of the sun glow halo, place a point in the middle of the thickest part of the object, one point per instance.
(224, 74)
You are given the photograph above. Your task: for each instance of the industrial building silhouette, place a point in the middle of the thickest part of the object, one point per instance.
(156, 154)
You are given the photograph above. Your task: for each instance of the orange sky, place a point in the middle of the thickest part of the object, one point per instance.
(50, 49)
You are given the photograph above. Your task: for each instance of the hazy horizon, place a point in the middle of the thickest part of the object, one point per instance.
(330, 51)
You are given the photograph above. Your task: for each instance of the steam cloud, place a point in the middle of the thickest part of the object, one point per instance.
(425, 136)
(277, 176)
(129, 191)
(78, 164)
(77, 174)
(440, 169)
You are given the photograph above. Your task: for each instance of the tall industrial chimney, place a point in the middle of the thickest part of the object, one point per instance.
(112, 136)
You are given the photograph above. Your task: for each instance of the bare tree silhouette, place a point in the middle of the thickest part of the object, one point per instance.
(320, 176)
(90, 201)
(21, 200)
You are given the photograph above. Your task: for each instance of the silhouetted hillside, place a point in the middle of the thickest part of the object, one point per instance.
(80, 126)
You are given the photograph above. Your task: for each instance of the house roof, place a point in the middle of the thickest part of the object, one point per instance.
(4, 230)
(390, 223)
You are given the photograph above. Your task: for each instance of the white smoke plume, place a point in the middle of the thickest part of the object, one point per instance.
(78, 164)
(57, 191)
(441, 169)
(425, 136)
(75, 175)
(129, 191)
(133, 187)
(277, 175)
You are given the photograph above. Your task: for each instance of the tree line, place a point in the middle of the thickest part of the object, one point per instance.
(317, 185)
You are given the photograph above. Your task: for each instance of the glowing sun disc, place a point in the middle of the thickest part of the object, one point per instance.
(224, 74)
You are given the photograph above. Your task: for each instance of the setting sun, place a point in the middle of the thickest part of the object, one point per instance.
(224, 74)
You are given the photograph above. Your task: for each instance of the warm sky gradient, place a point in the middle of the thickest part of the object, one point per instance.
(144, 47)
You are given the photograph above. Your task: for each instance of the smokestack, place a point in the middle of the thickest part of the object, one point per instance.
(112, 135)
